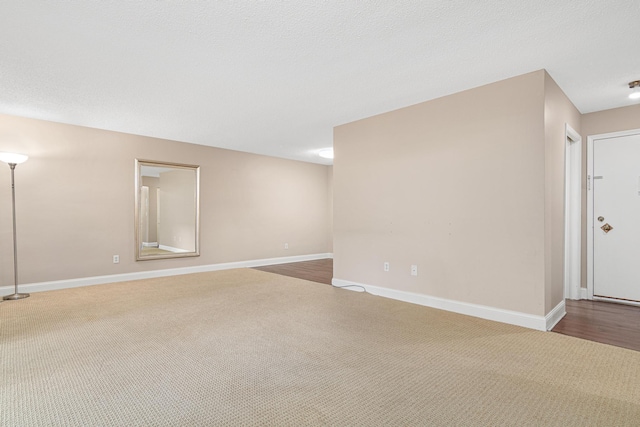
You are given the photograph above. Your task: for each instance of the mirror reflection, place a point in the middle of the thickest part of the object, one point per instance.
(167, 210)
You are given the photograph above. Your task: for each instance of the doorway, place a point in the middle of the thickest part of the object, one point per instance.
(613, 209)
(572, 213)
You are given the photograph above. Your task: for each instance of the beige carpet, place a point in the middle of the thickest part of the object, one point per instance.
(245, 347)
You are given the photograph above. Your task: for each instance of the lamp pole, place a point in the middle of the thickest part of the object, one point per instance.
(14, 295)
(12, 160)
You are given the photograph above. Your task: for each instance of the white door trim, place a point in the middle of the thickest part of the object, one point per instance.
(572, 213)
(590, 140)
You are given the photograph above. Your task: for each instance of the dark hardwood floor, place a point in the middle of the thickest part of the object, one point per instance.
(604, 322)
(320, 270)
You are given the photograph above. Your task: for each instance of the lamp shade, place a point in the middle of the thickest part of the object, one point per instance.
(326, 153)
(13, 157)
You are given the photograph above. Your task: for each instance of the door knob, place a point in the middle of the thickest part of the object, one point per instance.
(606, 228)
(600, 218)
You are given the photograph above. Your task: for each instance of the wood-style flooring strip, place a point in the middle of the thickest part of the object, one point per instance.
(604, 322)
(320, 270)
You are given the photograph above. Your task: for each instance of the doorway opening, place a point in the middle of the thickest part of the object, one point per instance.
(572, 213)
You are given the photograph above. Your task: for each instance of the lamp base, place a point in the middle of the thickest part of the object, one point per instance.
(15, 296)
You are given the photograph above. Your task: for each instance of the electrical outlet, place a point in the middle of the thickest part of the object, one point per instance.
(116, 259)
(414, 270)
(386, 266)
(286, 246)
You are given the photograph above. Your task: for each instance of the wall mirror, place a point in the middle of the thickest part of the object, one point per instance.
(167, 214)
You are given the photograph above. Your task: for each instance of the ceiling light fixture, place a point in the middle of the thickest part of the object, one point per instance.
(635, 85)
(326, 153)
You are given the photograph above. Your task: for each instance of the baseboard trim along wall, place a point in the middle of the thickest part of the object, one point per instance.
(99, 280)
(172, 249)
(583, 293)
(554, 316)
(540, 323)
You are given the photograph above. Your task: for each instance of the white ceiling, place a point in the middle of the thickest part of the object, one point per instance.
(275, 77)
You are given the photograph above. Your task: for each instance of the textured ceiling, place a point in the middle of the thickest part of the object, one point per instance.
(275, 77)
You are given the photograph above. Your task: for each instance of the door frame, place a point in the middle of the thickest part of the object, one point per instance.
(590, 226)
(572, 213)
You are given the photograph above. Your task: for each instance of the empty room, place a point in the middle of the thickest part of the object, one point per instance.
(319, 213)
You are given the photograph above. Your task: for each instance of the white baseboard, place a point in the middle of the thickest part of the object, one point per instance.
(99, 280)
(554, 316)
(172, 249)
(584, 293)
(484, 312)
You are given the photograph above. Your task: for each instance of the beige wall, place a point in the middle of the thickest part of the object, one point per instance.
(457, 186)
(558, 111)
(75, 202)
(607, 121)
(614, 120)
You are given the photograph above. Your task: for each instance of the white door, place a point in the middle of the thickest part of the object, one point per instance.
(616, 207)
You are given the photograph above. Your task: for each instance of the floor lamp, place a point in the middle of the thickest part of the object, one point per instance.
(14, 159)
